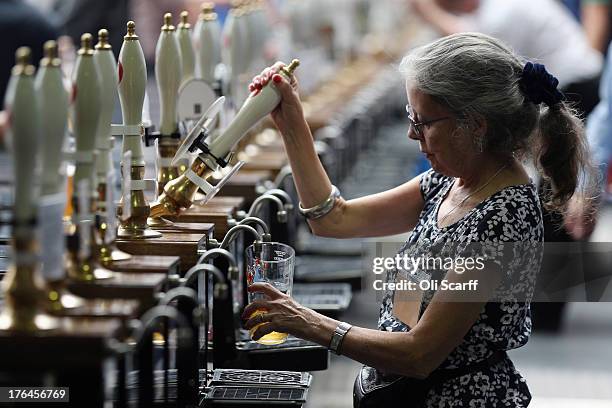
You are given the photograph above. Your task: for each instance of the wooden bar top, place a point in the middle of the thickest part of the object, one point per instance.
(139, 286)
(218, 215)
(75, 342)
(186, 227)
(168, 265)
(272, 161)
(236, 202)
(183, 245)
(245, 183)
(121, 309)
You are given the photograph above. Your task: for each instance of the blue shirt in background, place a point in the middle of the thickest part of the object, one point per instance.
(574, 7)
(599, 122)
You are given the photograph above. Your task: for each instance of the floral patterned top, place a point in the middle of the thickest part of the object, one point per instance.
(510, 216)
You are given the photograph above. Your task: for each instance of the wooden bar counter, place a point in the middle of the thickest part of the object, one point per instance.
(181, 244)
(220, 216)
(266, 160)
(72, 356)
(245, 184)
(169, 265)
(142, 287)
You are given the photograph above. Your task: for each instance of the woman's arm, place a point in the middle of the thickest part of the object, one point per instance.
(387, 213)
(595, 18)
(441, 19)
(414, 354)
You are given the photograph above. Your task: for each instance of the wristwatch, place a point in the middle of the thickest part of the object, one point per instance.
(335, 344)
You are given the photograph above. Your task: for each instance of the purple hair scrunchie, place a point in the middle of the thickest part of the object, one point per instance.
(539, 86)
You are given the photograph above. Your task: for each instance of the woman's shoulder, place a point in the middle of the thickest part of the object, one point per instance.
(431, 183)
(513, 213)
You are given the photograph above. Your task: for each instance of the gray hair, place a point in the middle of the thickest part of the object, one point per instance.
(477, 76)
(474, 75)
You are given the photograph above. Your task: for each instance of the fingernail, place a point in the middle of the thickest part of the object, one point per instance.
(277, 78)
(251, 87)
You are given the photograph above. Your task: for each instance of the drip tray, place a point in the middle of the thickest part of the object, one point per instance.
(329, 297)
(290, 343)
(158, 385)
(251, 379)
(261, 377)
(245, 396)
(292, 355)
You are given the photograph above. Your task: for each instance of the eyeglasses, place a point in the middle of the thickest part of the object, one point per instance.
(418, 126)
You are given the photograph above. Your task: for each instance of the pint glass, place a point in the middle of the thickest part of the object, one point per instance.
(270, 262)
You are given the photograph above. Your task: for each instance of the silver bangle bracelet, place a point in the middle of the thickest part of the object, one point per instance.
(323, 208)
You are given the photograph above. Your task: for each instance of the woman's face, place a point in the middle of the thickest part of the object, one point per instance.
(446, 147)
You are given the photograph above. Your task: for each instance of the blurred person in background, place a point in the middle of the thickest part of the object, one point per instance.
(76, 17)
(581, 219)
(545, 31)
(149, 16)
(20, 25)
(596, 19)
(541, 30)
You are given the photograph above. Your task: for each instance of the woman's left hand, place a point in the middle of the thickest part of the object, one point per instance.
(282, 314)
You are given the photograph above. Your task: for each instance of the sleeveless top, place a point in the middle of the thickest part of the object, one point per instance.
(510, 217)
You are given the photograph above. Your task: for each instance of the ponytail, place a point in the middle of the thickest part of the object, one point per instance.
(563, 156)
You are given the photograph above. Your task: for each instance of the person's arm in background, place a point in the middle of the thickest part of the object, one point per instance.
(582, 209)
(438, 14)
(595, 16)
(3, 125)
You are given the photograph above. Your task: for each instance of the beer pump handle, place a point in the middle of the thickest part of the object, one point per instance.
(183, 35)
(53, 100)
(107, 67)
(85, 110)
(132, 73)
(255, 108)
(207, 38)
(23, 134)
(168, 73)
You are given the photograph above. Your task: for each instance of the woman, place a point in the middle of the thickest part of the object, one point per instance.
(475, 110)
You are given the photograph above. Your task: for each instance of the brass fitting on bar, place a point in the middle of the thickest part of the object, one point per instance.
(179, 194)
(136, 227)
(107, 252)
(24, 292)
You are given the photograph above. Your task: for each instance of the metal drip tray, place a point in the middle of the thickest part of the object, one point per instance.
(292, 355)
(290, 343)
(221, 377)
(236, 396)
(330, 297)
(158, 385)
(263, 377)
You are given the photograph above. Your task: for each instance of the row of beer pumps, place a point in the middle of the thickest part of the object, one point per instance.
(38, 108)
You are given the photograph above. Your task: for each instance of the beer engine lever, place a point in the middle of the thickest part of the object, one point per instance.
(179, 194)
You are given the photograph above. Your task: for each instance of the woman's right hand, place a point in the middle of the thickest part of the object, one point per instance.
(289, 111)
